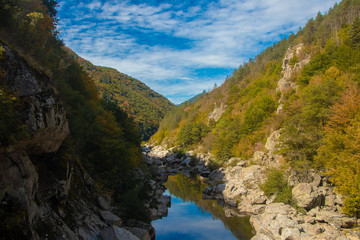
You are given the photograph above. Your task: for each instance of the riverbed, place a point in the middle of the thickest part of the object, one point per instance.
(190, 217)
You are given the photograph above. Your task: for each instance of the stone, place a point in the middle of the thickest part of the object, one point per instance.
(274, 221)
(306, 197)
(272, 142)
(186, 161)
(110, 218)
(259, 157)
(261, 237)
(336, 219)
(285, 83)
(217, 112)
(165, 200)
(205, 174)
(142, 234)
(104, 202)
(117, 233)
(290, 234)
(317, 180)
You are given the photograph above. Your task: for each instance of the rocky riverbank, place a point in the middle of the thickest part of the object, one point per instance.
(318, 215)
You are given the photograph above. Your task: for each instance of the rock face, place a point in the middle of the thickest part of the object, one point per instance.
(217, 112)
(44, 113)
(285, 84)
(47, 200)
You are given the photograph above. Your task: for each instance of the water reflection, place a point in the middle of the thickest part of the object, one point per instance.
(191, 217)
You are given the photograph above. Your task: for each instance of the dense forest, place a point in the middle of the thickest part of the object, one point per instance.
(145, 106)
(103, 139)
(318, 116)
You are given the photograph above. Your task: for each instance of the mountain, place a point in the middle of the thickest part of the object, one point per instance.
(295, 103)
(144, 105)
(66, 154)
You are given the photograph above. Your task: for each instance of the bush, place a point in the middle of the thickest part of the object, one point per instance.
(192, 133)
(277, 184)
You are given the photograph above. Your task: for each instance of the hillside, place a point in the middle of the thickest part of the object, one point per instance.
(144, 105)
(295, 101)
(66, 154)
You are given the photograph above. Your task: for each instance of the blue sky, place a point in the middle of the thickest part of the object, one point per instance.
(179, 47)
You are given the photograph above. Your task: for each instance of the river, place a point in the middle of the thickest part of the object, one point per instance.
(190, 217)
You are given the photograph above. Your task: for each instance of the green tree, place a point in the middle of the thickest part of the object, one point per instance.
(355, 33)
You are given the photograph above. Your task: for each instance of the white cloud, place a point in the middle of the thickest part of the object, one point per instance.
(222, 34)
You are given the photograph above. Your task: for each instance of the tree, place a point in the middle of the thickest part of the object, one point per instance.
(51, 6)
(355, 33)
(340, 153)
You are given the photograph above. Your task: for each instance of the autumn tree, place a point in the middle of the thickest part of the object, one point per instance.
(340, 153)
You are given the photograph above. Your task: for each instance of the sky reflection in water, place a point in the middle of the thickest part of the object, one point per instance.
(187, 221)
(192, 217)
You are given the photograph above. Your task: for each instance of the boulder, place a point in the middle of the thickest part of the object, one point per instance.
(305, 196)
(276, 222)
(142, 234)
(117, 233)
(104, 202)
(290, 234)
(110, 218)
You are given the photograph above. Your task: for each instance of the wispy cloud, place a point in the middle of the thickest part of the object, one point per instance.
(164, 44)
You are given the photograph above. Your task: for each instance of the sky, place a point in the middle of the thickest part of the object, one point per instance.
(180, 47)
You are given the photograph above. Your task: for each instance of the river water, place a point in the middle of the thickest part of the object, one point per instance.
(190, 217)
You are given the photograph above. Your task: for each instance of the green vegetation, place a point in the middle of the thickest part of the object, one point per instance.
(192, 133)
(312, 133)
(276, 184)
(145, 106)
(341, 149)
(103, 138)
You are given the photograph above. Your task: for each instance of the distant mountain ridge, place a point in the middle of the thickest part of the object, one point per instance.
(144, 105)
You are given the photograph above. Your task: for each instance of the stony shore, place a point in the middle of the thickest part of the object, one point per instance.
(318, 215)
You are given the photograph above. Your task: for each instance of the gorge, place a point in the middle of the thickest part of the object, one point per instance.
(272, 153)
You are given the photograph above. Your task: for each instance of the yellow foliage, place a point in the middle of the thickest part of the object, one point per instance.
(35, 17)
(340, 154)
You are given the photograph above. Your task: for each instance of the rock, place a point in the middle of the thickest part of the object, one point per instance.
(217, 112)
(242, 164)
(110, 218)
(142, 234)
(336, 219)
(272, 142)
(280, 109)
(259, 157)
(43, 113)
(165, 200)
(190, 154)
(205, 174)
(276, 222)
(306, 197)
(317, 180)
(104, 202)
(285, 84)
(117, 233)
(186, 162)
(261, 237)
(19, 179)
(290, 234)
(216, 176)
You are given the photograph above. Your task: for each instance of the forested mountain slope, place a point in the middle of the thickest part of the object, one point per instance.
(144, 105)
(297, 98)
(56, 131)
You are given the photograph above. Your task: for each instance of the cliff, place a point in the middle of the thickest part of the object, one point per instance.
(43, 194)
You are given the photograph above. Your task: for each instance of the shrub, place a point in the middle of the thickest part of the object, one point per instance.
(277, 184)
